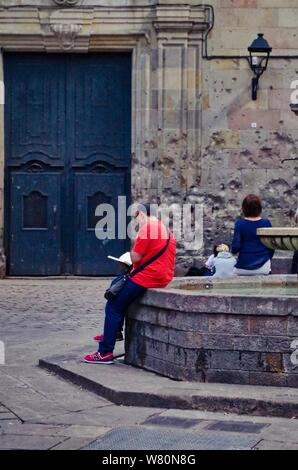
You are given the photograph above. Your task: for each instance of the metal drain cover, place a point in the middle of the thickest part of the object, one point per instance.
(140, 438)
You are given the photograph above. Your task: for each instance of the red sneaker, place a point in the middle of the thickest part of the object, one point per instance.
(97, 358)
(99, 338)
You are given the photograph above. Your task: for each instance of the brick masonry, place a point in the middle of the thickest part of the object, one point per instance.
(202, 344)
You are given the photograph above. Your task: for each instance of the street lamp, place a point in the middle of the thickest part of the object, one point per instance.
(259, 52)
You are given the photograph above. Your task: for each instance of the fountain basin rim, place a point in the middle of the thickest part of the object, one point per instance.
(278, 231)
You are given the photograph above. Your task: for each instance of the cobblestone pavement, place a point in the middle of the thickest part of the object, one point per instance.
(42, 317)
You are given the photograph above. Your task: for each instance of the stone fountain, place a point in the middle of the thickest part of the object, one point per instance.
(238, 330)
(280, 238)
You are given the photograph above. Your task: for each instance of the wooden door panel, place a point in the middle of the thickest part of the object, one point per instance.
(90, 252)
(35, 230)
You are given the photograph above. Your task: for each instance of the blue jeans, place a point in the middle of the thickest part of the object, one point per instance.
(114, 314)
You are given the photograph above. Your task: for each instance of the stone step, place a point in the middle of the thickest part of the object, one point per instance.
(129, 386)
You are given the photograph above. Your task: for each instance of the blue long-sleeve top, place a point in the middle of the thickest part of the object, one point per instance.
(252, 253)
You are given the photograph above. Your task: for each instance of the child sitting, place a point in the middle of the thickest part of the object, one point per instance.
(224, 262)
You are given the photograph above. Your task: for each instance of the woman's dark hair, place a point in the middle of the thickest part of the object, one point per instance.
(252, 206)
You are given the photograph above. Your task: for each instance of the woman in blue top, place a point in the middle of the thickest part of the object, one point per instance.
(253, 257)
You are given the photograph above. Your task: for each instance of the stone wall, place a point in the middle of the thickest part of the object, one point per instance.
(192, 134)
(237, 158)
(214, 338)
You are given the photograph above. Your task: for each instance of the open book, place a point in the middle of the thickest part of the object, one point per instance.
(125, 258)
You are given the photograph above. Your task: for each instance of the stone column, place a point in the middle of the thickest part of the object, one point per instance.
(2, 257)
(176, 83)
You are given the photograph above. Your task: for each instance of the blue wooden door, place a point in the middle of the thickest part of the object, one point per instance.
(68, 132)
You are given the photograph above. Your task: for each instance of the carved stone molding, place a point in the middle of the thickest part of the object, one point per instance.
(180, 19)
(66, 34)
(66, 3)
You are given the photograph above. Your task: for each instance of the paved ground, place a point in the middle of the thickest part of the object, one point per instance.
(39, 318)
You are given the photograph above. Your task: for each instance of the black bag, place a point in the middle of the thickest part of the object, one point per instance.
(118, 284)
(116, 287)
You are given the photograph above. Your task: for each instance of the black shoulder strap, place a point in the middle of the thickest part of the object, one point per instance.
(151, 260)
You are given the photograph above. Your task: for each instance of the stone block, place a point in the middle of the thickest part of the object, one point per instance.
(227, 376)
(214, 120)
(273, 362)
(174, 301)
(153, 348)
(171, 100)
(292, 380)
(156, 332)
(279, 99)
(288, 120)
(260, 104)
(200, 359)
(196, 322)
(277, 3)
(219, 141)
(268, 326)
(288, 17)
(11, 442)
(186, 339)
(293, 326)
(172, 78)
(225, 360)
(254, 17)
(143, 313)
(236, 39)
(228, 324)
(179, 355)
(248, 343)
(172, 119)
(251, 361)
(227, 64)
(262, 305)
(285, 39)
(172, 370)
(244, 118)
(239, 4)
(278, 344)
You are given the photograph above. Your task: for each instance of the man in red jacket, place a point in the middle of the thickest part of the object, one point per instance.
(153, 236)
